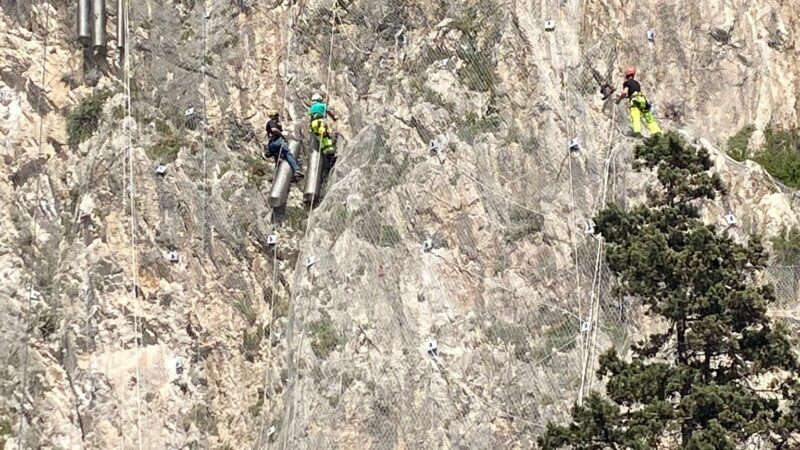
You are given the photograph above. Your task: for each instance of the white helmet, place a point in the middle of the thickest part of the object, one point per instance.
(316, 97)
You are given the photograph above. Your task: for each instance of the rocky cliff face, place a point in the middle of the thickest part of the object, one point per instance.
(474, 340)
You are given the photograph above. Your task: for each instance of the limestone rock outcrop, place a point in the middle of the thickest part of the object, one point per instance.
(451, 298)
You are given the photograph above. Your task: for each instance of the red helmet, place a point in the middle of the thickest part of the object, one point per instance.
(630, 71)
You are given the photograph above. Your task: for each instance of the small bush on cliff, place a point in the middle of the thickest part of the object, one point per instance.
(296, 217)
(168, 145)
(739, 142)
(786, 247)
(257, 170)
(720, 374)
(779, 155)
(82, 121)
(251, 343)
(324, 337)
(246, 309)
(5, 430)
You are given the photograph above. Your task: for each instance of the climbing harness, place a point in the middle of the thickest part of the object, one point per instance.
(320, 130)
(640, 101)
(641, 108)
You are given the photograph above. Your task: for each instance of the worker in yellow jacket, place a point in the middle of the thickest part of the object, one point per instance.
(319, 112)
(638, 104)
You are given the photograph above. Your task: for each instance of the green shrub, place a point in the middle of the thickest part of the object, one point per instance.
(478, 70)
(388, 236)
(467, 22)
(187, 34)
(528, 143)
(281, 307)
(166, 150)
(201, 416)
(296, 217)
(257, 170)
(82, 121)
(738, 143)
(118, 112)
(522, 223)
(786, 247)
(512, 335)
(5, 431)
(518, 232)
(224, 168)
(169, 143)
(255, 409)
(780, 156)
(338, 220)
(561, 336)
(163, 127)
(324, 338)
(382, 235)
(251, 344)
(48, 321)
(474, 126)
(246, 309)
(417, 85)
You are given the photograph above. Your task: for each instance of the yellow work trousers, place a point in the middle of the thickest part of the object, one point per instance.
(636, 120)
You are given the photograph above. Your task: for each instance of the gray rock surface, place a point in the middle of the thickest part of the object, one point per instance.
(105, 343)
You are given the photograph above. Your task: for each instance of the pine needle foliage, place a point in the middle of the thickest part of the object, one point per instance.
(721, 374)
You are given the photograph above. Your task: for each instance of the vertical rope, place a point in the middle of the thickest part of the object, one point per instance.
(577, 272)
(132, 202)
(34, 236)
(204, 191)
(328, 96)
(263, 437)
(289, 436)
(595, 299)
(570, 130)
(203, 131)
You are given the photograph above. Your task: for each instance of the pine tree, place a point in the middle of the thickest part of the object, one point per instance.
(721, 374)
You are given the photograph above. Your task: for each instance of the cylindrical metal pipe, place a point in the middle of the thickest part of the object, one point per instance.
(85, 21)
(120, 24)
(283, 178)
(99, 28)
(313, 176)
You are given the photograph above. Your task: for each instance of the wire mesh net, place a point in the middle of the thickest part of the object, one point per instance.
(468, 294)
(446, 290)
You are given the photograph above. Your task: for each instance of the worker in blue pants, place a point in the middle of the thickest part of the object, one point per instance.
(277, 146)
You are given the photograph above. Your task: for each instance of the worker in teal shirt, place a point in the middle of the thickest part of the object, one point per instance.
(319, 109)
(319, 112)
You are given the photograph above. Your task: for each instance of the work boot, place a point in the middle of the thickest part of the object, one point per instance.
(299, 175)
(634, 134)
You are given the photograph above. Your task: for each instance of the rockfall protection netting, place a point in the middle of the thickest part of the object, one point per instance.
(546, 332)
(525, 277)
(143, 122)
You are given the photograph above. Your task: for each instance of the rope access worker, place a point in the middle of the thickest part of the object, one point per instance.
(327, 144)
(638, 104)
(277, 146)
